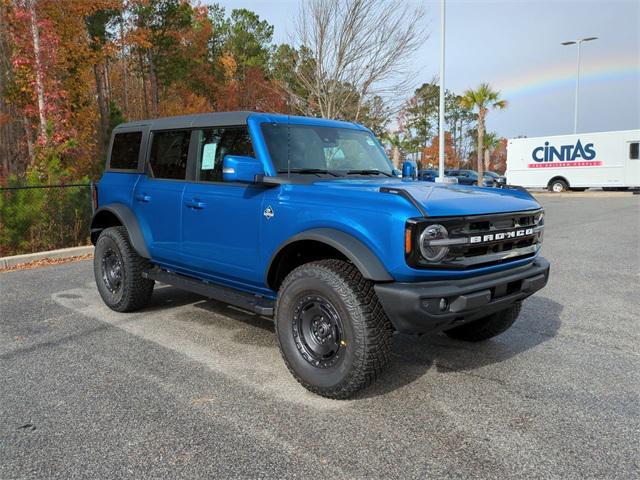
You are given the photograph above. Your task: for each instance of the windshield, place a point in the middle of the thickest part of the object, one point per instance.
(317, 150)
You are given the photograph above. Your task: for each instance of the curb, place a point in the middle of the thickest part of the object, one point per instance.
(7, 262)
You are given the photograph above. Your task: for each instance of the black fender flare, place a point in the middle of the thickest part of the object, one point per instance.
(357, 252)
(128, 220)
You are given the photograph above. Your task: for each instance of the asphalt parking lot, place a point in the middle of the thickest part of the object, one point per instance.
(190, 388)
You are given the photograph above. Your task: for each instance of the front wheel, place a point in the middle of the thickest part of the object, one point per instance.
(331, 329)
(487, 327)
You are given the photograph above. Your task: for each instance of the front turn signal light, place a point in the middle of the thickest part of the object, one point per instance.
(408, 241)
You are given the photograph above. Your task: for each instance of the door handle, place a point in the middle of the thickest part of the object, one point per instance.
(195, 204)
(143, 197)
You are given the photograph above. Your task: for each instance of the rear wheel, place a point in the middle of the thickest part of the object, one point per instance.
(118, 272)
(488, 327)
(331, 329)
(558, 186)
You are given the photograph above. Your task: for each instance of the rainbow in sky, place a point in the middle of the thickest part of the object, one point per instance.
(553, 77)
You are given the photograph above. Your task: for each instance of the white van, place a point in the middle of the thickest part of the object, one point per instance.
(609, 160)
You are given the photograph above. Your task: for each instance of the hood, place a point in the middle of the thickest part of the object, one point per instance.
(441, 200)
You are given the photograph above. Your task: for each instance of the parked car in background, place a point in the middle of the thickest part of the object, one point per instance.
(431, 175)
(469, 177)
(498, 180)
(427, 175)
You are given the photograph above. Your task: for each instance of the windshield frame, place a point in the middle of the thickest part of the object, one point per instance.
(388, 171)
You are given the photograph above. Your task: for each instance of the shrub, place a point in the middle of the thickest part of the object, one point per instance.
(37, 219)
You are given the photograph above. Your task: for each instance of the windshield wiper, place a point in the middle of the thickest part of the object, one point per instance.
(311, 171)
(368, 172)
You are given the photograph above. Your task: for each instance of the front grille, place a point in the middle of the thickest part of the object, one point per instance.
(476, 241)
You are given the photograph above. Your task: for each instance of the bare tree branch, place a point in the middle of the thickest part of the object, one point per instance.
(360, 49)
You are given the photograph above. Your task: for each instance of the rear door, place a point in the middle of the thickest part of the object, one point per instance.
(157, 197)
(220, 220)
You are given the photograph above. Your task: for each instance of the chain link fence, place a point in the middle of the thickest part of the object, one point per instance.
(36, 218)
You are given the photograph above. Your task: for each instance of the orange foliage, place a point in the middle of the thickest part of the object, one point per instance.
(180, 101)
(430, 153)
(255, 92)
(85, 76)
(498, 158)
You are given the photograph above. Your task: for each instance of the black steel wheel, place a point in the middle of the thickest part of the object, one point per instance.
(112, 270)
(332, 331)
(118, 272)
(317, 329)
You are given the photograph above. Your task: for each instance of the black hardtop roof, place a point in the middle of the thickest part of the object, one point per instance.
(191, 121)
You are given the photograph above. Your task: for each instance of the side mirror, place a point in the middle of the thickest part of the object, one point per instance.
(409, 169)
(238, 168)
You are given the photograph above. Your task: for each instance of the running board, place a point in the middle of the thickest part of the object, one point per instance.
(247, 301)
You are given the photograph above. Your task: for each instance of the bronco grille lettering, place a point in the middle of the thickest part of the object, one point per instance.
(492, 237)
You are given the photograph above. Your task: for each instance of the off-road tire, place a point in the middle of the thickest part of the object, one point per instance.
(366, 329)
(133, 291)
(558, 186)
(487, 327)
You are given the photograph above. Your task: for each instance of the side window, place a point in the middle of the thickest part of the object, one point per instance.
(209, 167)
(125, 150)
(214, 144)
(169, 152)
(634, 150)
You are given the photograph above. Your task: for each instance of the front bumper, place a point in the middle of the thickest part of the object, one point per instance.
(416, 307)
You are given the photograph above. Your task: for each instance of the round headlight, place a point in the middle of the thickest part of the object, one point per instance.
(429, 236)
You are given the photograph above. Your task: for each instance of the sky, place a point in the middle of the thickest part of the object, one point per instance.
(515, 46)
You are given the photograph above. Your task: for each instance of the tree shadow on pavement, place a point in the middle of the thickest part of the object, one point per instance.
(413, 356)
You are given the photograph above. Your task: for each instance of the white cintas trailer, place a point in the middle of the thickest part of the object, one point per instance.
(608, 160)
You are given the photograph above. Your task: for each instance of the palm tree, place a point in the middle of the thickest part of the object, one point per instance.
(397, 141)
(483, 98)
(491, 142)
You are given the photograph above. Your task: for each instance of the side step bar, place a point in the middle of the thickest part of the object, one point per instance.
(247, 301)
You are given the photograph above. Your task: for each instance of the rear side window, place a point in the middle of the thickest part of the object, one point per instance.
(214, 144)
(634, 151)
(125, 151)
(169, 153)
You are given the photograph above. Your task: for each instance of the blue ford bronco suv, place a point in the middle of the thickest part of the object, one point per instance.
(306, 221)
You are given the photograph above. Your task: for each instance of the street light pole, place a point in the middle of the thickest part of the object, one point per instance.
(441, 109)
(575, 107)
(576, 101)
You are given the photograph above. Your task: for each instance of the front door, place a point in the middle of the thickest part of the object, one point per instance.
(220, 221)
(157, 197)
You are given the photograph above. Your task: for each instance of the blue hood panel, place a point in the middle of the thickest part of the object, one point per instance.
(447, 200)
